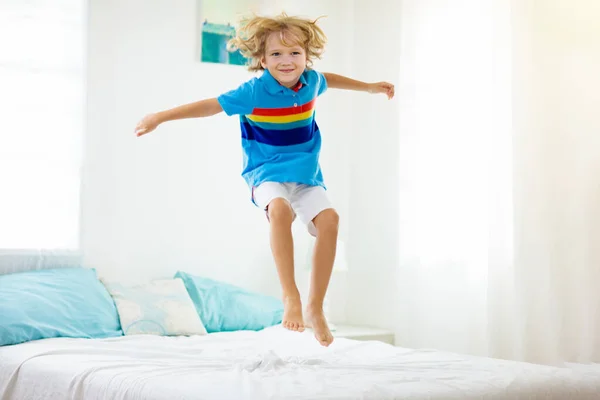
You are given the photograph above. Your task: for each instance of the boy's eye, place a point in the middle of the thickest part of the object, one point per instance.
(296, 53)
(275, 54)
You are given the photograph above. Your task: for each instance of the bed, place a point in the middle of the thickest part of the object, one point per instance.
(270, 364)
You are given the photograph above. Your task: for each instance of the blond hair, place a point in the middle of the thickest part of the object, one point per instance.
(251, 37)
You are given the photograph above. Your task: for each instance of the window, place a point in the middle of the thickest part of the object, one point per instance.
(42, 103)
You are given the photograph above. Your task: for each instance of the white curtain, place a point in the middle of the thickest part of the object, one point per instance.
(42, 80)
(500, 173)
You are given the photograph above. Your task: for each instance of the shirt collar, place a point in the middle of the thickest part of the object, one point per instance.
(275, 87)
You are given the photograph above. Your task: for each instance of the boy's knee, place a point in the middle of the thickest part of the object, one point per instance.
(327, 221)
(280, 210)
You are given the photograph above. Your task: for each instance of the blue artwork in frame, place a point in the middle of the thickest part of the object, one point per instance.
(218, 21)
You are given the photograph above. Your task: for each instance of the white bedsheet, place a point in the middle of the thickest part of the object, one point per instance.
(272, 364)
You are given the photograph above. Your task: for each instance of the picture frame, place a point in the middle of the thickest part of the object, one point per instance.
(218, 22)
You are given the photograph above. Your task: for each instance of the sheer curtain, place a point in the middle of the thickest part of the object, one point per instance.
(499, 189)
(42, 101)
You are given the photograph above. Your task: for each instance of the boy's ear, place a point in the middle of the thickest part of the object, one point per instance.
(263, 62)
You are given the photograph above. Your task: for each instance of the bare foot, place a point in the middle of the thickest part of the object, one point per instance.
(292, 314)
(315, 319)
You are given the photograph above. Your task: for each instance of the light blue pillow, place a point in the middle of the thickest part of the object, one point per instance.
(65, 302)
(225, 307)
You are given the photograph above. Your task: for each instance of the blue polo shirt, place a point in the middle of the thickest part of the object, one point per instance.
(280, 137)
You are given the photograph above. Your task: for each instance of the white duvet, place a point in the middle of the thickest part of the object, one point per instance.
(271, 364)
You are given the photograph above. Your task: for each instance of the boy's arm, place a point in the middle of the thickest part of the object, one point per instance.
(341, 82)
(202, 108)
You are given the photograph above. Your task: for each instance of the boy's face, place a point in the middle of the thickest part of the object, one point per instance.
(285, 63)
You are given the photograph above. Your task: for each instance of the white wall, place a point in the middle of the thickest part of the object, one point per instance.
(373, 233)
(175, 199)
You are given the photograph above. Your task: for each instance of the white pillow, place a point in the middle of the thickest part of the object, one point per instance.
(161, 307)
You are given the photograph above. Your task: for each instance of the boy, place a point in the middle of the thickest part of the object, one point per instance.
(281, 143)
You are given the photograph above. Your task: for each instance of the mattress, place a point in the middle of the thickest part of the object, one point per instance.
(271, 364)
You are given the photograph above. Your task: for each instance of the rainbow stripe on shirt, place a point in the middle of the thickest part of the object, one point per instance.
(280, 126)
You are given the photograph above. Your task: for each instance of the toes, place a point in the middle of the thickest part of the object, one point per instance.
(325, 340)
(293, 326)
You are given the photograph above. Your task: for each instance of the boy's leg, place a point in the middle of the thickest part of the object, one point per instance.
(273, 197)
(326, 224)
(281, 217)
(314, 209)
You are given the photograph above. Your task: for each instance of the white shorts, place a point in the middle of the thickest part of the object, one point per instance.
(306, 201)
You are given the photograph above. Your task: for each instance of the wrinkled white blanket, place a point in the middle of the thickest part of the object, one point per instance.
(271, 364)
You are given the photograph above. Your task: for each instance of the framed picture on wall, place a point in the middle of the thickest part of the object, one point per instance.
(218, 21)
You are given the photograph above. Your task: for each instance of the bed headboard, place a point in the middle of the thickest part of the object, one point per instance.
(12, 261)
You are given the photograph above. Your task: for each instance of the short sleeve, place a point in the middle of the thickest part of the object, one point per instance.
(321, 83)
(238, 101)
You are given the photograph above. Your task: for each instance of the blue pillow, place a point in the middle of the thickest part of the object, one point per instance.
(224, 307)
(65, 302)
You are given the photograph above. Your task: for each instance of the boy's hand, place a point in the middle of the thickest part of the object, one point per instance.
(382, 87)
(147, 124)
